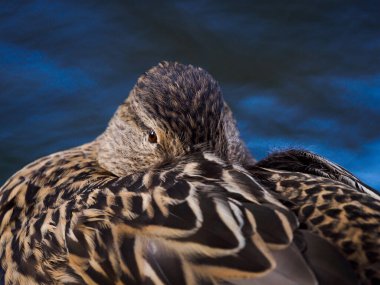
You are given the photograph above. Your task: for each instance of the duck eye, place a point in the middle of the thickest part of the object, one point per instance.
(152, 137)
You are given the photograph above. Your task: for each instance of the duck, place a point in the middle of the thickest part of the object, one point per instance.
(170, 194)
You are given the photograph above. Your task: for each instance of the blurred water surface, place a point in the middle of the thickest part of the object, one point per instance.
(297, 74)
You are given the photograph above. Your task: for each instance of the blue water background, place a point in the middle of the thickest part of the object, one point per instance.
(296, 73)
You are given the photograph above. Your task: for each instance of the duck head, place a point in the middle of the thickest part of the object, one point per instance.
(172, 111)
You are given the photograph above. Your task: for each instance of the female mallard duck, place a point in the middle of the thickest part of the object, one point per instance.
(169, 194)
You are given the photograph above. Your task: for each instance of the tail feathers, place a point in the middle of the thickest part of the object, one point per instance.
(308, 162)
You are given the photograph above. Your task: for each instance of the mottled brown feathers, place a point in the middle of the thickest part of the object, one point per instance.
(335, 205)
(107, 230)
(188, 206)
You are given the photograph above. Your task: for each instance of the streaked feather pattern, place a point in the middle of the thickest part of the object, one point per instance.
(209, 219)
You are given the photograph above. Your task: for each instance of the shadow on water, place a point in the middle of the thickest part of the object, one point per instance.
(296, 75)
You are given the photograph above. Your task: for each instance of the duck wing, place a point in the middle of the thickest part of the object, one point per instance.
(330, 202)
(64, 220)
